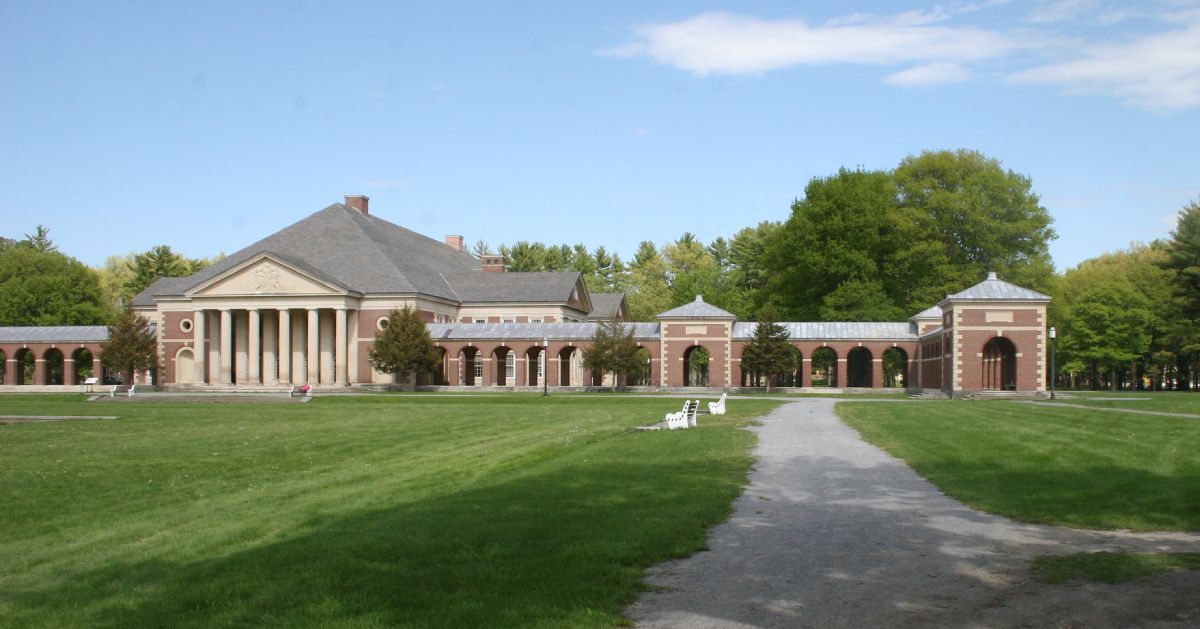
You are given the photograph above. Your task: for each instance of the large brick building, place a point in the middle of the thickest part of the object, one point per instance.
(302, 306)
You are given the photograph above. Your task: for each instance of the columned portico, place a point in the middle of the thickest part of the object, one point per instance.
(339, 359)
(285, 346)
(224, 351)
(312, 367)
(254, 332)
(199, 318)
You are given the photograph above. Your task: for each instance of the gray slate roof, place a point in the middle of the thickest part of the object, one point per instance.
(606, 305)
(996, 288)
(934, 312)
(530, 331)
(698, 309)
(837, 331)
(544, 286)
(358, 251)
(54, 334)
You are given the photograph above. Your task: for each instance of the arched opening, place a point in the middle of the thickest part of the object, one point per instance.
(534, 370)
(695, 372)
(643, 377)
(83, 365)
(795, 376)
(471, 365)
(185, 366)
(858, 368)
(53, 361)
(506, 366)
(3, 367)
(895, 367)
(824, 368)
(1000, 365)
(570, 367)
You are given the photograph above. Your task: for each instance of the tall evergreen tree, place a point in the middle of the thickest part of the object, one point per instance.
(131, 345)
(770, 352)
(404, 346)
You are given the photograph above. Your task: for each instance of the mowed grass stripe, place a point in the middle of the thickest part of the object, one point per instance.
(356, 512)
(1047, 464)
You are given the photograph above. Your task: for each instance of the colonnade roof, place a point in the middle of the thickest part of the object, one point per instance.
(994, 288)
(837, 331)
(54, 334)
(531, 331)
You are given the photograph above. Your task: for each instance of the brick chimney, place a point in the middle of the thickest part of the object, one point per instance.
(358, 202)
(493, 264)
(456, 242)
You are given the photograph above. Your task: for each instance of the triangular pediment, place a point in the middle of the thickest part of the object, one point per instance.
(266, 275)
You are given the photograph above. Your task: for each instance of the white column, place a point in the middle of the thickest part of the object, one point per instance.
(299, 334)
(254, 330)
(199, 330)
(224, 350)
(326, 343)
(352, 350)
(313, 363)
(241, 354)
(285, 346)
(270, 344)
(339, 348)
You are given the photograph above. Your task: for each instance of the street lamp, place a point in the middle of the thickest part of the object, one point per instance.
(545, 365)
(1052, 335)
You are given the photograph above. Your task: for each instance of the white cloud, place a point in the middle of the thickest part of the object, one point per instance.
(1060, 10)
(1160, 71)
(929, 74)
(721, 43)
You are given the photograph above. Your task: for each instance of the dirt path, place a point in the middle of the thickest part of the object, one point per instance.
(833, 532)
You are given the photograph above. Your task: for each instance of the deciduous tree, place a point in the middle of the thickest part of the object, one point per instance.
(613, 351)
(403, 346)
(48, 288)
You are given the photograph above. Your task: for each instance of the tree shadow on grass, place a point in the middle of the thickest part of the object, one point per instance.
(559, 548)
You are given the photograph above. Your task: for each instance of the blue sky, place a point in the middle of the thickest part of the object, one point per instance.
(206, 126)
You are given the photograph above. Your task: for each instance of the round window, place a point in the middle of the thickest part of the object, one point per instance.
(381, 323)
(185, 325)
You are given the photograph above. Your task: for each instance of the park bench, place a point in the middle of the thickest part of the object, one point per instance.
(301, 390)
(89, 383)
(122, 388)
(718, 407)
(685, 418)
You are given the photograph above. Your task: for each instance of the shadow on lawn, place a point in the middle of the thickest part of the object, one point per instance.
(552, 549)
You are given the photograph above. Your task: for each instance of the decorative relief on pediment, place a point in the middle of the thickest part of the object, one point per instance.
(268, 278)
(265, 277)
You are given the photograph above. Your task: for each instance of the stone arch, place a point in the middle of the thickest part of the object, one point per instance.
(534, 373)
(83, 365)
(3, 366)
(23, 374)
(53, 366)
(185, 366)
(696, 361)
(895, 367)
(858, 368)
(999, 364)
(824, 372)
(505, 363)
(570, 366)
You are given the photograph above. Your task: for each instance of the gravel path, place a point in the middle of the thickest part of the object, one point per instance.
(833, 532)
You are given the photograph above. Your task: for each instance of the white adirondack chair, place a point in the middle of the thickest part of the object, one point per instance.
(718, 407)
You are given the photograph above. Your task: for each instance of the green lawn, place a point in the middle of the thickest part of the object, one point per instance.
(507, 510)
(1168, 401)
(1110, 567)
(1047, 463)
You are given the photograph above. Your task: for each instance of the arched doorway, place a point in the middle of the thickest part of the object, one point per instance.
(185, 366)
(695, 361)
(83, 365)
(53, 361)
(3, 367)
(472, 367)
(794, 377)
(644, 377)
(895, 367)
(824, 368)
(570, 367)
(858, 368)
(506, 366)
(1000, 365)
(534, 370)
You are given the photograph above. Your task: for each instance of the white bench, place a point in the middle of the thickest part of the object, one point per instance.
(303, 390)
(718, 407)
(121, 388)
(89, 383)
(685, 418)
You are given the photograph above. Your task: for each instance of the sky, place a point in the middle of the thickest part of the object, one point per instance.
(206, 126)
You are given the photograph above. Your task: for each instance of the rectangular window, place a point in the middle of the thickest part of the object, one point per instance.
(508, 320)
(480, 320)
(540, 365)
(478, 371)
(510, 367)
(536, 320)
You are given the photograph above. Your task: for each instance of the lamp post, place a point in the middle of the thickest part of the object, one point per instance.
(1052, 335)
(545, 367)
